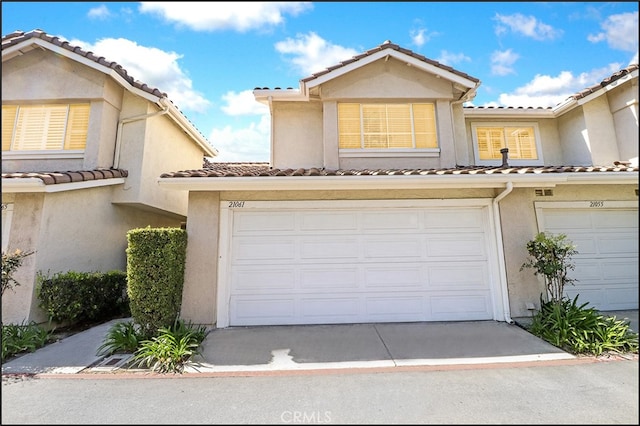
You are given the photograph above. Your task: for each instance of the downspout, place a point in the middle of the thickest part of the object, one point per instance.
(501, 265)
(271, 133)
(122, 122)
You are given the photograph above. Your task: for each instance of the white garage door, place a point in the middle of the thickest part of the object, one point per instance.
(319, 263)
(606, 239)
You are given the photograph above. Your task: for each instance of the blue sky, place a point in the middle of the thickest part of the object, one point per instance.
(209, 56)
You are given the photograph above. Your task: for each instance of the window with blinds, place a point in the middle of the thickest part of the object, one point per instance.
(386, 126)
(45, 127)
(522, 141)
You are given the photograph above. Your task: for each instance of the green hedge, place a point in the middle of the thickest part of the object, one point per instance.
(83, 297)
(155, 272)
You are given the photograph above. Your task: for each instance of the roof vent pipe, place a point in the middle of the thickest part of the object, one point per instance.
(505, 157)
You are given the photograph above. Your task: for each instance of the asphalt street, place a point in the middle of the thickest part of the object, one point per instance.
(591, 391)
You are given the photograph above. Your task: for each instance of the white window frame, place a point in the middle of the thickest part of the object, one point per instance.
(392, 152)
(511, 161)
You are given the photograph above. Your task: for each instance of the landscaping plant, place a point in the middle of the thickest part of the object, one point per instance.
(122, 337)
(18, 338)
(580, 329)
(169, 351)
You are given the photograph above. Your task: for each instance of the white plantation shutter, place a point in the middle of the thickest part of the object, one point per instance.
(78, 127)
(45, 127)
(521, 142)
(9, 113)
(386, 126)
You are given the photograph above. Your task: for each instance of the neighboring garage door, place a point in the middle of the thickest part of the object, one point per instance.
(606, 237)
(322, 263)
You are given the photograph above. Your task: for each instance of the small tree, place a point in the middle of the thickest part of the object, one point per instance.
(551, 257)
(10, 264)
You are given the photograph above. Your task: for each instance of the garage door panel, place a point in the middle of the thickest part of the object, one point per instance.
(329, 309)
(407, 247)
(393, 276)
(373, 221)
(247, 311)
(329, 247)
(625, 244)
(615, 219)
(252, 249)
(330, 278)
(459, 276)
(455, 246)
(328, 221)
(263, 279)
(560, 220)
(314, 267)
(393, 307)
(460, 307)
(250, 222)
(458, 220)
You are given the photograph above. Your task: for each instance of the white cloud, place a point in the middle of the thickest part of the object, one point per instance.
(248, 144)
(312, 54)
(502, 61)
(214, 16)
(151, 66)
(528, 26)
(420, 36)
(100, 12)
(547, 91)
(450, 59)
(243, 103)
(620, 32)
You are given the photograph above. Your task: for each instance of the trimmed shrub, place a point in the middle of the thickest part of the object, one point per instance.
(83, 297)
(155, 272)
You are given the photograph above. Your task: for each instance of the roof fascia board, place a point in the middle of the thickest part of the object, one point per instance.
(608, 87)
(193, 133)
(414, 62)
(379, 182)
(265, 95)
(21, 185)
(508, 113)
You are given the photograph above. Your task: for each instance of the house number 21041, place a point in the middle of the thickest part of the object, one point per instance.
(596, 204)
(235, 204)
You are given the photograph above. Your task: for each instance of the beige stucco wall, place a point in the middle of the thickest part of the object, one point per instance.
(201, 266)
(519, 225)
(297, 128)
(28, 78)
(623, 102)
(148, 148)
(73, 230)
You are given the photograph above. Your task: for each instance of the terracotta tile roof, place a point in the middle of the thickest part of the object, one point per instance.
(17, 37)
(263, 170)
(607, 81)
(52, 178)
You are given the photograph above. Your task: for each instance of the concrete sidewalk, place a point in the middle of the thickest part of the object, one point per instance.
(280, 348)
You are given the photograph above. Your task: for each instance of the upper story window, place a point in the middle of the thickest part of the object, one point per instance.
(52, 127)
(387, 127)
(522, 139)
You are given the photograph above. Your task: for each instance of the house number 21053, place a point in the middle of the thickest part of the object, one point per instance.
(596, 204)
(235, 204)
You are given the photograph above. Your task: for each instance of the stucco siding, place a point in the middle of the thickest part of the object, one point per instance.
(574, 138)
(625, 117)
(73, 230)
(200, 284)
(389, 80)
(298, 130)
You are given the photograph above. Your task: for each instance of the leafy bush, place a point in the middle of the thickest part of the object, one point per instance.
(551, 257)
(122, 337)
(171, 349)
(155, 273)
(18, 338)
(582, 330)
(10, 264)
(83, 297)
